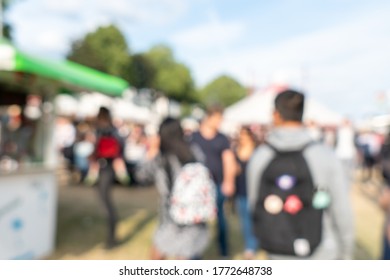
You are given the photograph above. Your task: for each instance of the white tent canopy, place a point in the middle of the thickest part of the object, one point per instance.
(258, 107)
(129, 111)
(88, 106)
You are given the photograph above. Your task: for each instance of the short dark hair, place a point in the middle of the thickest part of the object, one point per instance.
(290, 105)
(214, 109)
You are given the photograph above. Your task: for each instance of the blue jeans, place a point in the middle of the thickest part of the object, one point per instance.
(222, 224)
(250, 241)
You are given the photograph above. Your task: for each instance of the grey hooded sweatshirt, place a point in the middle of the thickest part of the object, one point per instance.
(338, 229)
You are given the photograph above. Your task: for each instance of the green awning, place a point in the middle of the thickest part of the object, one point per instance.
(70, 75)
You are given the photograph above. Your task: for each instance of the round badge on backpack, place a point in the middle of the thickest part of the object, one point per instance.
(301, 247)
(321, 200)
(273, 204)
(286, 182)
(293, 204)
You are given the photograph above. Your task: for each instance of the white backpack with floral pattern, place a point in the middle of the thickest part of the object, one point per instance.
(193, 196)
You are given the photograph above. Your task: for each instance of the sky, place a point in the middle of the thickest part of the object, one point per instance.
(336, 51)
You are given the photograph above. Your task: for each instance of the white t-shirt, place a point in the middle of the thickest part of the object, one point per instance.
(345, 148)
(134, 151)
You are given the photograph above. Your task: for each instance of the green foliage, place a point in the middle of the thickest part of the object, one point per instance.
(7, 31)
(223, 90)
(104, 49)
(160, 56)
(6, 26)
(5, 3)
(140, 72)
(172, 78)
(176, 81)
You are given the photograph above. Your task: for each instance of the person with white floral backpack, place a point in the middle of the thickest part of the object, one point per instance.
(187, 195)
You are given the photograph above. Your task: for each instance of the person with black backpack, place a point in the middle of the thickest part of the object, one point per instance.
(297, 191)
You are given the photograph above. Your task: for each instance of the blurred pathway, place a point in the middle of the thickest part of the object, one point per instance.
(81, 223)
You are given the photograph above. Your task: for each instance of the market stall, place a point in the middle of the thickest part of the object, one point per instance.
(28, 189)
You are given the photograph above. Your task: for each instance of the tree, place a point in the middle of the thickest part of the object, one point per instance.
(161, 56)
(105, 50)
(171, 77)
(6, 27)
(176, 81)
(223, 90)
(140, 72)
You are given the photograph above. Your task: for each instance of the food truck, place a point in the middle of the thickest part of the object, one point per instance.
(28, 187)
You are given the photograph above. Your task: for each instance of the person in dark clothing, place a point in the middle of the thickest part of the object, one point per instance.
(245, 147)
(337, 234)
(219, 158)
(108, 150)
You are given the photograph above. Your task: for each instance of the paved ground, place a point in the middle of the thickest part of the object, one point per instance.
(81, 224)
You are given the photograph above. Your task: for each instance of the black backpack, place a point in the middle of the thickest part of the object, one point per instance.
(284, 219)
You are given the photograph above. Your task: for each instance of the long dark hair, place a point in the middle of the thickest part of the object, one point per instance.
(172, 141)
(104, 118)
(249, 131)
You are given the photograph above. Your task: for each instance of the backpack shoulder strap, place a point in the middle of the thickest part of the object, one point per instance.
(308, 144)
(276, 150)
(168, 171)
(272, 147)
(172, 166)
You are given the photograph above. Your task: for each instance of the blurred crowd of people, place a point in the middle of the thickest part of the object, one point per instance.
(238, 165)
(76, 140)
(17, 135)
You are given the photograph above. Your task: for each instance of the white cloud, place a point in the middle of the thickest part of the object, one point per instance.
(157, 12)
(40, 35)
(209, 35)
(68, 6)
(51, 41)
(152, 12)
(342, 65)
(333, 45)
(139, 11)
(32, 20)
